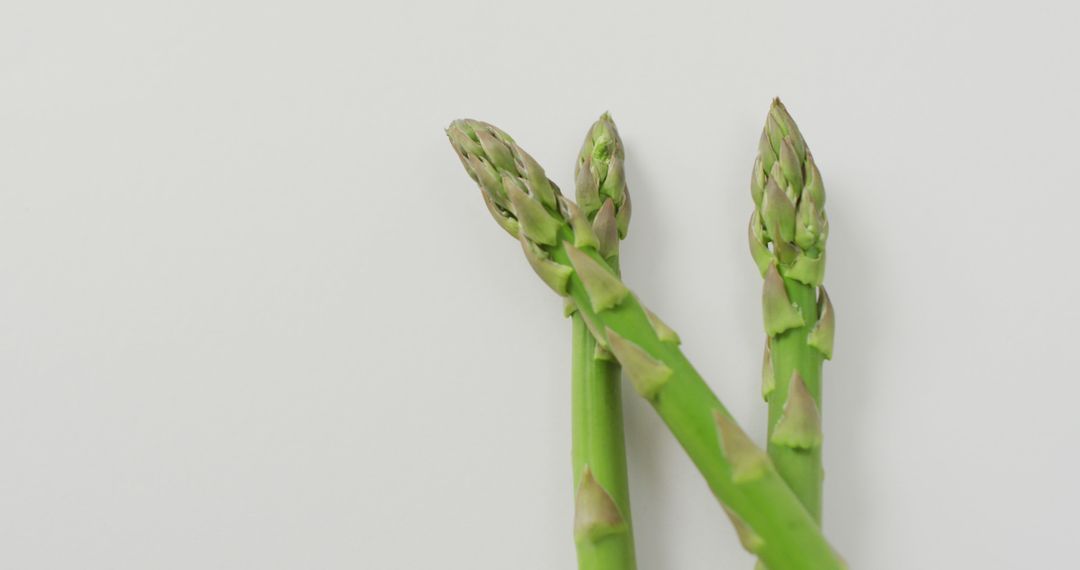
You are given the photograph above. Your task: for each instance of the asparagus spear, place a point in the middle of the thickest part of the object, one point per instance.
(562, 248)
(599, 449)
(789, 214)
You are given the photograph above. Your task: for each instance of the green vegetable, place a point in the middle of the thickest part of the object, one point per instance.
(602, 527)
(771, 521)
(788, 231)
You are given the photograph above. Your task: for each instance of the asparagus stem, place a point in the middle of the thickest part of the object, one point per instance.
(788, 233)
(781, 532)
(799, 466)
(599, 449)
(598, 441)
(771, 521)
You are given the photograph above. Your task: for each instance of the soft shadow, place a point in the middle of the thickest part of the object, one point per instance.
(650, 487)
(850, 382)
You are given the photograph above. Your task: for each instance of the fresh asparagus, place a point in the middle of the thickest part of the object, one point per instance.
(561, 246)
(789, 201)
(599, 448)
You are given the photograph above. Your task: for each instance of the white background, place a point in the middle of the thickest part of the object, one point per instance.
(253, 314)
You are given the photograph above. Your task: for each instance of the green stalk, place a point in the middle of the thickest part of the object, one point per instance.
(799, 466)
(788, 233)
(599, 457)
(562, 248)
(599, 448)
(769, 518)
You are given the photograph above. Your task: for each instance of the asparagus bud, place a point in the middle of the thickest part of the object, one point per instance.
(788, 234)
(600, 176)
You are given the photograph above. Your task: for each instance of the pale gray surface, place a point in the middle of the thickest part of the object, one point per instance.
(254, 315)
